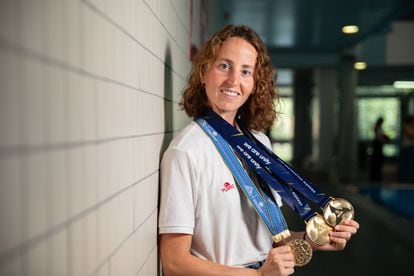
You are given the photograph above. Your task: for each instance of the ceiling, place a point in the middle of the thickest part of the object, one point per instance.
(306, 32)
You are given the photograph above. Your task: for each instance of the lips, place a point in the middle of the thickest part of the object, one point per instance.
(229, 92)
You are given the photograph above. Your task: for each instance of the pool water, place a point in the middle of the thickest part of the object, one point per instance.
(398, 199)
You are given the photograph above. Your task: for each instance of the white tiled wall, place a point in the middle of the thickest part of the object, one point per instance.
(86, 89)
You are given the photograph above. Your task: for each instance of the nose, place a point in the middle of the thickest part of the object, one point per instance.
(233, 77)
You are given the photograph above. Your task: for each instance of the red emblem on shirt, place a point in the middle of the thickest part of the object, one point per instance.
(227, 187)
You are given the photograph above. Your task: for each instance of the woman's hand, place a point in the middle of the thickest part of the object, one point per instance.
(279, 262)
(339, 237)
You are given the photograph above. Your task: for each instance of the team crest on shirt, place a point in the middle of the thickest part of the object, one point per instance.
(227, 187)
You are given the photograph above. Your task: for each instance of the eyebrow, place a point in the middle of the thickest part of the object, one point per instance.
(231, 62)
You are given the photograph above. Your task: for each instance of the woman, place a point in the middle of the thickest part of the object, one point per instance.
(377, 158)
(207, 225)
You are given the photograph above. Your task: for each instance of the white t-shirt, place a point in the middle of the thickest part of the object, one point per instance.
(199, 196)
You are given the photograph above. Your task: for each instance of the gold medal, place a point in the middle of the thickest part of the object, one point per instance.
(337, 210)
(302, 251)
(318, 230)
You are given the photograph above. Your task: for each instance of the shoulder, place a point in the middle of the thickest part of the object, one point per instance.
(189, 137)
(190, 143)
(263, 138)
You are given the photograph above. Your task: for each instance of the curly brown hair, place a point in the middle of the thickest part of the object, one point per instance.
(258, 112)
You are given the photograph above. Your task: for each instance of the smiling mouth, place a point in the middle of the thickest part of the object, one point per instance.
(230, 93)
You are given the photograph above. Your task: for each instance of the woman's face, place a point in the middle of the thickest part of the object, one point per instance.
(229, 79)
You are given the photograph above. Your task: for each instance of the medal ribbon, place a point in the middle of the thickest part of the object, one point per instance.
(265, 206)
(271, 162)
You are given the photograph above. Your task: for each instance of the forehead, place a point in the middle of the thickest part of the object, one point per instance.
(237, 49)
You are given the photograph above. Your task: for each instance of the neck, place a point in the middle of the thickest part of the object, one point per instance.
(230, 117)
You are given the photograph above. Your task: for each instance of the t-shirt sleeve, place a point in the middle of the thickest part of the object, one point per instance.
(177, 199)
(264, 139)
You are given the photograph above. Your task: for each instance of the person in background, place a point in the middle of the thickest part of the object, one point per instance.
(207, 225)
(406, 158)
(377, 157)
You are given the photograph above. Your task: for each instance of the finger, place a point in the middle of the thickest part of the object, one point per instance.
(289, 264)
(351, 222)
(282, 249)
(288, 257)
(340, 235)
(280, 259)
(283, 252)
(345, 228)
(282, 267)
(338, 243)
(276, 257)
(288, 271)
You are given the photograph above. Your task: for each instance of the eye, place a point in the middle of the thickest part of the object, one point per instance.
(246, 73)
(224, 66)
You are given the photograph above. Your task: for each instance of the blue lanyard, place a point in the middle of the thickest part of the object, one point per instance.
(265, 206)
(297, 187)
(289, 195)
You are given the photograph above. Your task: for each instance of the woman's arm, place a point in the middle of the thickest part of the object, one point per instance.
(176, 259)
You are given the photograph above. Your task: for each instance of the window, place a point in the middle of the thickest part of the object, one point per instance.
(369, 110)
(281, 133)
